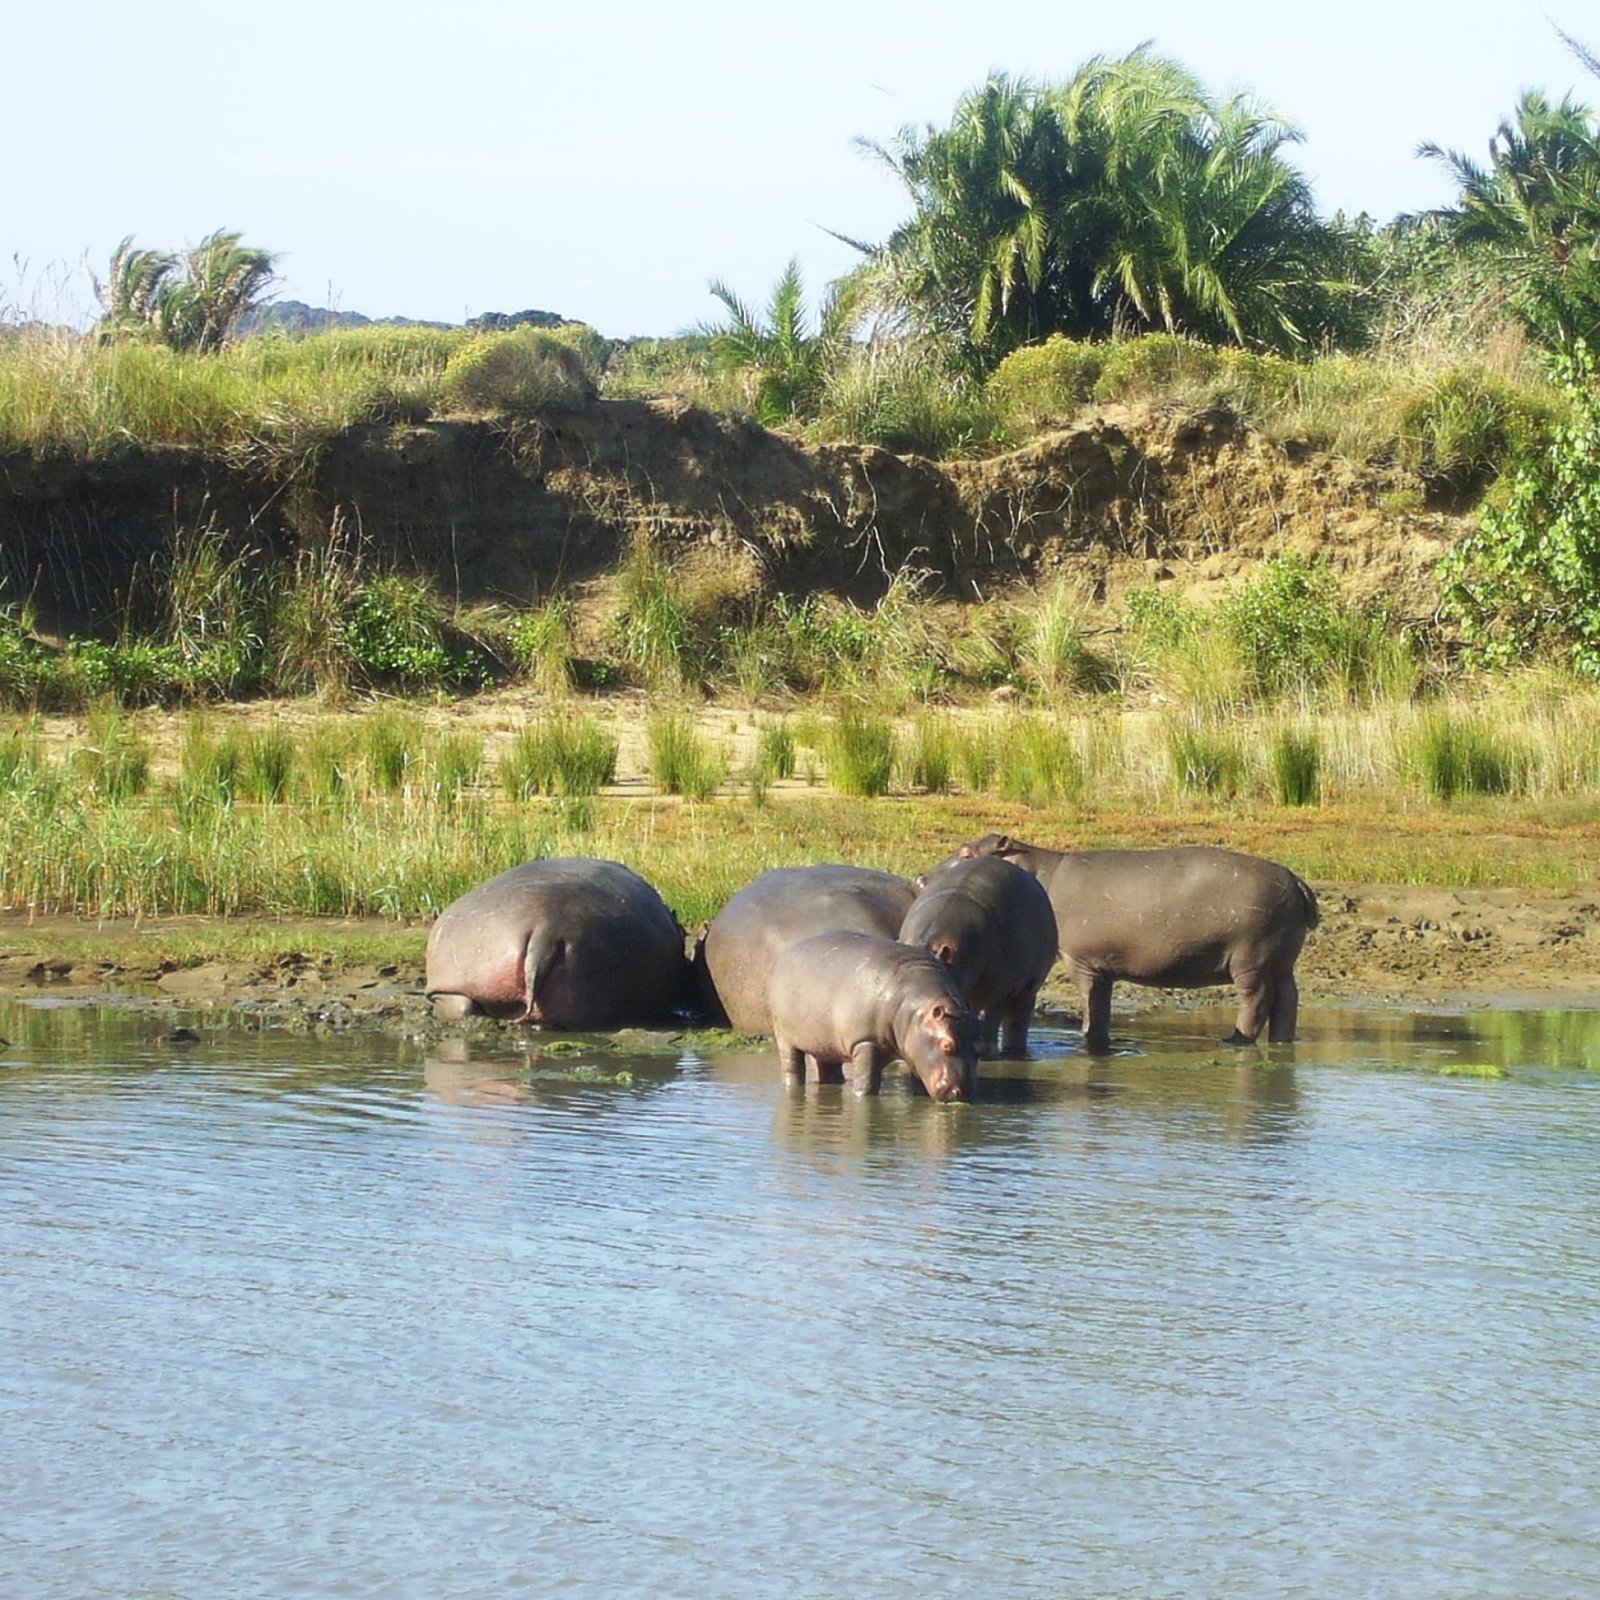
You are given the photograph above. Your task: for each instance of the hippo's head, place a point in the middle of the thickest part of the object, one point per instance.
(940, 1044)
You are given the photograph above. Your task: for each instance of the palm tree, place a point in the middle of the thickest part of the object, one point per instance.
(1535, 208)
(222, 280)
(790, 365)
(192, 304)
(1122, 200)
(132, 289)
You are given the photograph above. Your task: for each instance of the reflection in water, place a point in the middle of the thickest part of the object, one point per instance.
(297, 1316)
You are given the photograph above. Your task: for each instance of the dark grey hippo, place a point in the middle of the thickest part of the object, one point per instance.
(992, 925)
(571, 943)
(861, 998)
(1178, 918)
(734, 956)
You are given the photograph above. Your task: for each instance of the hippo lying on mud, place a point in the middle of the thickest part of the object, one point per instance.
(571, 943)
(1177, 918)
(733, 957)
(992, 925)
(857, 997)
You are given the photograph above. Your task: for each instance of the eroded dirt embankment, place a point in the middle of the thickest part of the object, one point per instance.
(510, 512)
(1413, 945)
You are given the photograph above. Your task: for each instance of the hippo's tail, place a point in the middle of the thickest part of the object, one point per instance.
(1308, 896)
(538, 962)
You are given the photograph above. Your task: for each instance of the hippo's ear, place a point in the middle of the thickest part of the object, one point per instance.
(938, 1011)
(965, 853)
(1005, 845)
(920, 882)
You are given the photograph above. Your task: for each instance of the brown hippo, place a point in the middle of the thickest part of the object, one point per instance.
(571, 943)
(992, 925)
(1179, 918)
(734, 956)
(861, 998)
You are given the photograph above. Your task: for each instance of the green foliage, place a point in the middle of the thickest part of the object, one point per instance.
(568, 757)
(1055, 651)
(1464, 755)
(682, 760)
(859, 753)
(1295, 635)
(1296, 767)
(656, 629)
(1125, 199)
(395, 634)
(1053, 379)
(1207, 760)
(194, 303)
(931, 757)
(1528, 580)
(391, 744)
(113, 758)
(1462, 428)
(1038, 762)
(786, 365)
(542, 644)
(516, 374)
(1535, 211)
(901, 395)
(774, 756)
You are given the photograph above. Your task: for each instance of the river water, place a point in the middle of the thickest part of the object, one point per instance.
(294, 1317)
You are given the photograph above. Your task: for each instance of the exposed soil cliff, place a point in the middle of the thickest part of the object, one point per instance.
(508, 512)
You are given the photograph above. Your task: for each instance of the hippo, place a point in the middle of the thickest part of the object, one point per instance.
(570, 943)
(992, 925)
(861, 998)
(734, 955)
(1178, 917)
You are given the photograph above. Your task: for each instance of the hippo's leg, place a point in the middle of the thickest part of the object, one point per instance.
(827, 1071)
(989, 1031)
(1255, 989)
(452, 1007)
(866, 1067)
(1015, 1021)
(1096, 1013)
(791, 1061)
(1285, 1014)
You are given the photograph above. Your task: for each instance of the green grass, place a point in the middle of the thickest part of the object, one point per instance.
(571, 758)
(859, 752)
(682, 759)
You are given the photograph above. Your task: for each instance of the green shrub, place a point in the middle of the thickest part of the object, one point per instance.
(774, 756)
(1055, 649)
(930, 760)
(1038, 762)
(391, 744)
(1528, 580)
(569, 757)
(516, 374)
(542, 644)
(977, 758)
(898, 395)
(1462, 755)
(1295, 635)
(395, 635)
(1296, 767)
(112, 757)
(266, 764)
(681, 759)
(1206, 760)
(133, 672)
(1053, 379)
(1461, 429)
(859, 753)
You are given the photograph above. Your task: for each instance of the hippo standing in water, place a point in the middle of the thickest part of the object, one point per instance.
(571, 943)
(861, 998)
(992, 925)
(734, 956)
(1177, 918)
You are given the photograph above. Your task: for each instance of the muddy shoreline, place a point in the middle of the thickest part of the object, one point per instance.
(1399, 944)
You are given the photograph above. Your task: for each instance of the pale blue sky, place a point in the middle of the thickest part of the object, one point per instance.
(605, 160)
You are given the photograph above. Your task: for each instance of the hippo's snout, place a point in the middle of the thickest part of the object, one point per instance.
(947, 1083)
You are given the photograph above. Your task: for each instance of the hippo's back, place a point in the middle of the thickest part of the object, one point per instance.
(778, 909)
(573, 942)
(1188, 914)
